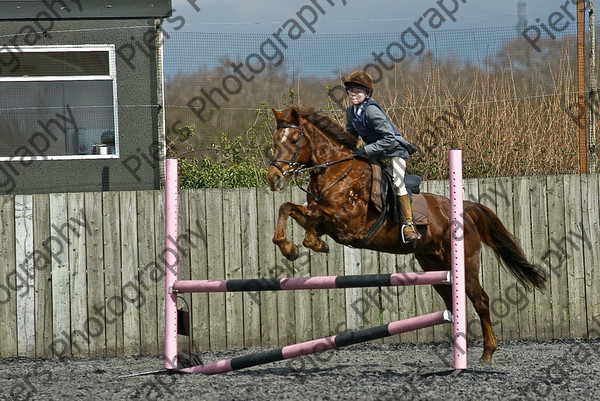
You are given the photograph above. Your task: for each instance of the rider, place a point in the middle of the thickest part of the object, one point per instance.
(366, 119)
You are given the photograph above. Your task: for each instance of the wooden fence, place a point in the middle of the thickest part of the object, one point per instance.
(82, 273)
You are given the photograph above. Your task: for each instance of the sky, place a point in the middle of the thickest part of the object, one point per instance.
(266, 16)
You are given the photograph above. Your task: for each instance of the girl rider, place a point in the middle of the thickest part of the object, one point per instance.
(366, 119)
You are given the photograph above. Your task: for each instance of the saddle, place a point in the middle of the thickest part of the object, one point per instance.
(382, 193)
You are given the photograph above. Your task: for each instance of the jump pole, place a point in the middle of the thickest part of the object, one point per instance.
(458, 315)
(322, 344)
(313, 283)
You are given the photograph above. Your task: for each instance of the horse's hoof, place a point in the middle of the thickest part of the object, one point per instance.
(319, 246)
(487, 359)
(293, 253)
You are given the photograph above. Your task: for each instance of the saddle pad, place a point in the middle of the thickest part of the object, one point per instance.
(419, 210)
(376, 196)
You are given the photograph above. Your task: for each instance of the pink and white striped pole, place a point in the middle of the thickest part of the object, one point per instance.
(171, 231)
(457, 233)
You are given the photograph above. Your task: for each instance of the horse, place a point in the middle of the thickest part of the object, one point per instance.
(338, 205)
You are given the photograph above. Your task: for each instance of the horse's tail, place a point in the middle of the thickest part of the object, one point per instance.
(505, 245)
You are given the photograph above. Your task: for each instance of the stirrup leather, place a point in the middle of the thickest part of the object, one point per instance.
(414, 230)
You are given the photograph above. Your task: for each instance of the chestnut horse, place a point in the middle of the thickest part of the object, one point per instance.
(338, 205)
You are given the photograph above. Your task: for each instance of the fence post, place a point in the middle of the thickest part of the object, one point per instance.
(593, 101)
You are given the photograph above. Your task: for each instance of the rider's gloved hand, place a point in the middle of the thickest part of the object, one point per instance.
(360, 152)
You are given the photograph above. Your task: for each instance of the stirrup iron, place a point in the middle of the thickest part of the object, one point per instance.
(414, 230)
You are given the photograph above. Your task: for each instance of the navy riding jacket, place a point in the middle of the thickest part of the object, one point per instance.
(381, 136)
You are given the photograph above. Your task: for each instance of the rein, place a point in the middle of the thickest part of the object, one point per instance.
(325, 165)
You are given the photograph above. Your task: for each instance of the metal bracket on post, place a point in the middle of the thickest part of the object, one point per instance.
(448, 279)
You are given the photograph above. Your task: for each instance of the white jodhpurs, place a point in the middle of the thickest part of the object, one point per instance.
(398, 169)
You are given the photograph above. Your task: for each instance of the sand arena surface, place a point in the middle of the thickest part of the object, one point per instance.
(523, 370)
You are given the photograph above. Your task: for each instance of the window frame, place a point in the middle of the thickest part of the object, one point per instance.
(112, 76)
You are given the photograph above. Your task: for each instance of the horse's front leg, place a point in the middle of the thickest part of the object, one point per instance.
(311, 239)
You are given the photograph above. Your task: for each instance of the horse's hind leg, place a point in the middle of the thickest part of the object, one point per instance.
(475, 292)
(481, 302)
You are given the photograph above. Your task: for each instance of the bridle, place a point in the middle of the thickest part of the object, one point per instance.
(297, 169)
(294, 166)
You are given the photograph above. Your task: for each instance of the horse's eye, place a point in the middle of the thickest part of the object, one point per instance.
(294, 141)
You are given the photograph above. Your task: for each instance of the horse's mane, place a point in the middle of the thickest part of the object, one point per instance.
(328, 126)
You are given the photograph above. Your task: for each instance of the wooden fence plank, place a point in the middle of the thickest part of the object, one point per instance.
(8, 283)
(266, 212)
(389, 295)
(25, 275)
(95, 273)
(471, 191)
(249, 248)
(233, 267)
(572, 246)
(301, 300)
(424, 294)
(112, 309)
(407, 299)
(200, 319)
(370, 295)
(354, 301)
(319, 298)
(146, 256)
(442, 332)
(129, 274)
(61, 301)
(540, 242)
(216, 302)
(555, 262)
(522, 217)
(407, 295)
(591, 249)
(43, 276)
(285, 299)
(74, 233)
(507, 304)
(491, 194)
(336, 297)
(179, 247)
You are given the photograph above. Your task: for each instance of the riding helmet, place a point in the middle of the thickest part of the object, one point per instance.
(359, 79)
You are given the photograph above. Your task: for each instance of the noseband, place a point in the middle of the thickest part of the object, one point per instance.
(291, 163)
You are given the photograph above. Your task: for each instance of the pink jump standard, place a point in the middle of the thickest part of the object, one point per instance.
(171, 231)
(457, 245)
(455, 277)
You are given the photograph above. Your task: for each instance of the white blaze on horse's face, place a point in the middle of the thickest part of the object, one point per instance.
(285, 135)
(289, 143)
(286, 146)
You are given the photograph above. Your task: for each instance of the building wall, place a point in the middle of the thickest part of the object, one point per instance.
(137, 168)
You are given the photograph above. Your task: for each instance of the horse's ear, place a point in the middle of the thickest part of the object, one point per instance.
(277, 114)
(295, 115)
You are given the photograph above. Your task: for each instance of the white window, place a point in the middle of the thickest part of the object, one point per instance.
(58, 102)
